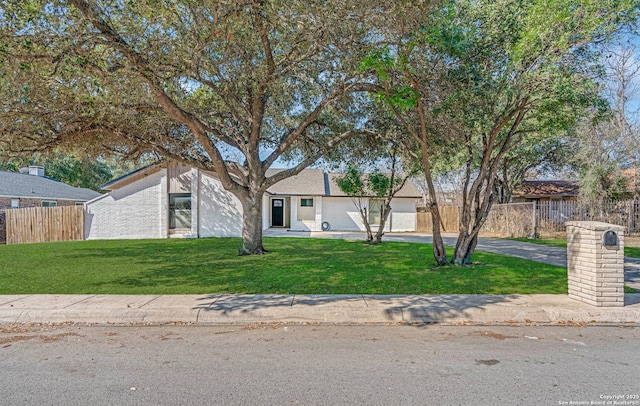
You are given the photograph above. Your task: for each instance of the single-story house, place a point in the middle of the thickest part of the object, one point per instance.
(30, 188)
(546, 190)
(167, 200)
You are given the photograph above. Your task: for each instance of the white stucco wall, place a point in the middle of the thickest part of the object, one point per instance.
(195, 195)
(220, 211)
(138, 210)
(311, 216)
(266, 220)
(403, 215)
(342, 215)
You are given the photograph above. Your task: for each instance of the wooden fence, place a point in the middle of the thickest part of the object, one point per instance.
(43, 224)
(449, 216)
(3, 227)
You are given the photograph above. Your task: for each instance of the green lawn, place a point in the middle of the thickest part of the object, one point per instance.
(628, 251)
(293, 265)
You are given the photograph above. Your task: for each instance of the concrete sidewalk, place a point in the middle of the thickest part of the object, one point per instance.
(342, 309)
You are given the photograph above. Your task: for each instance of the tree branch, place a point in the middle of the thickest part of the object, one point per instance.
(171, 108)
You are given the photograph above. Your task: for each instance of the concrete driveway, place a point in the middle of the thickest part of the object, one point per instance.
(534, 252)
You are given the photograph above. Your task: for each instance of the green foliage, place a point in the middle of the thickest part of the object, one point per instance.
(351, 183)
(380, 184)
(248, 75)
(376, 184)
(380, 60)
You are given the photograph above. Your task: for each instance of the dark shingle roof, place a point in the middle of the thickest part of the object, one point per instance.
(37, 187)
(547, 188)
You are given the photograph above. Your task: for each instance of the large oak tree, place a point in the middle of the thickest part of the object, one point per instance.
(225, 86)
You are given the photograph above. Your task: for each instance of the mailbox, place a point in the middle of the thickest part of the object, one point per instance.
(610, 239)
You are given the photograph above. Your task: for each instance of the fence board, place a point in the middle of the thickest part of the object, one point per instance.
(44, 224)
(450, 220)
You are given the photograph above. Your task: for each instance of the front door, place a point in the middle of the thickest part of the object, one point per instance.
(277, 212)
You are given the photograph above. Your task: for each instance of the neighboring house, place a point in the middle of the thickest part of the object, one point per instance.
(33, 189)
(167, 200)
(545, 190)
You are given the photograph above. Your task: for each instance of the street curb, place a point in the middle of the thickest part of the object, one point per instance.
(334, 309)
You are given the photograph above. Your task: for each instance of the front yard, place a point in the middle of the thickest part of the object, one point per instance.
(293, 265)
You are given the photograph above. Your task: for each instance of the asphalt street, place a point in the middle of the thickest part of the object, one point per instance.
(282, 364)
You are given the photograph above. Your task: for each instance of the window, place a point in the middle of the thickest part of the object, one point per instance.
(49, 203)
(306, 202)
(15, 203)
(375, 209)
(79, 203)
(179, 210)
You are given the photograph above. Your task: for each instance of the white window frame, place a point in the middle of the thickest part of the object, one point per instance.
(175, 212)
(15, 203)
(48, 203)
(377, 203)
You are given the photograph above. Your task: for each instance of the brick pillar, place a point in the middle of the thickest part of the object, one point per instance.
(596, 269)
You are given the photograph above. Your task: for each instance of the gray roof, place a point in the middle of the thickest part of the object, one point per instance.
(309, 182)
(14, 184)
(314, 182)
(408, 190)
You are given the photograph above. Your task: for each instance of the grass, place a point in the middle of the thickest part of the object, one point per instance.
(562, 243)
(293, 265)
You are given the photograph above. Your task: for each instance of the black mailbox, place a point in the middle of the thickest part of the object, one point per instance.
(610, 239)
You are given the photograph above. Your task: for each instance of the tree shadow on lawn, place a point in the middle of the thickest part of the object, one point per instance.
(301, 266)
(362, 308)
(201, 267)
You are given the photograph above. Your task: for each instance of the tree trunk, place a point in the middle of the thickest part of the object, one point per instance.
(365, 221)
(384, 215)
(439, 253)
(438, 245)
(471, 224)
(252, 224)
(465, 246)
